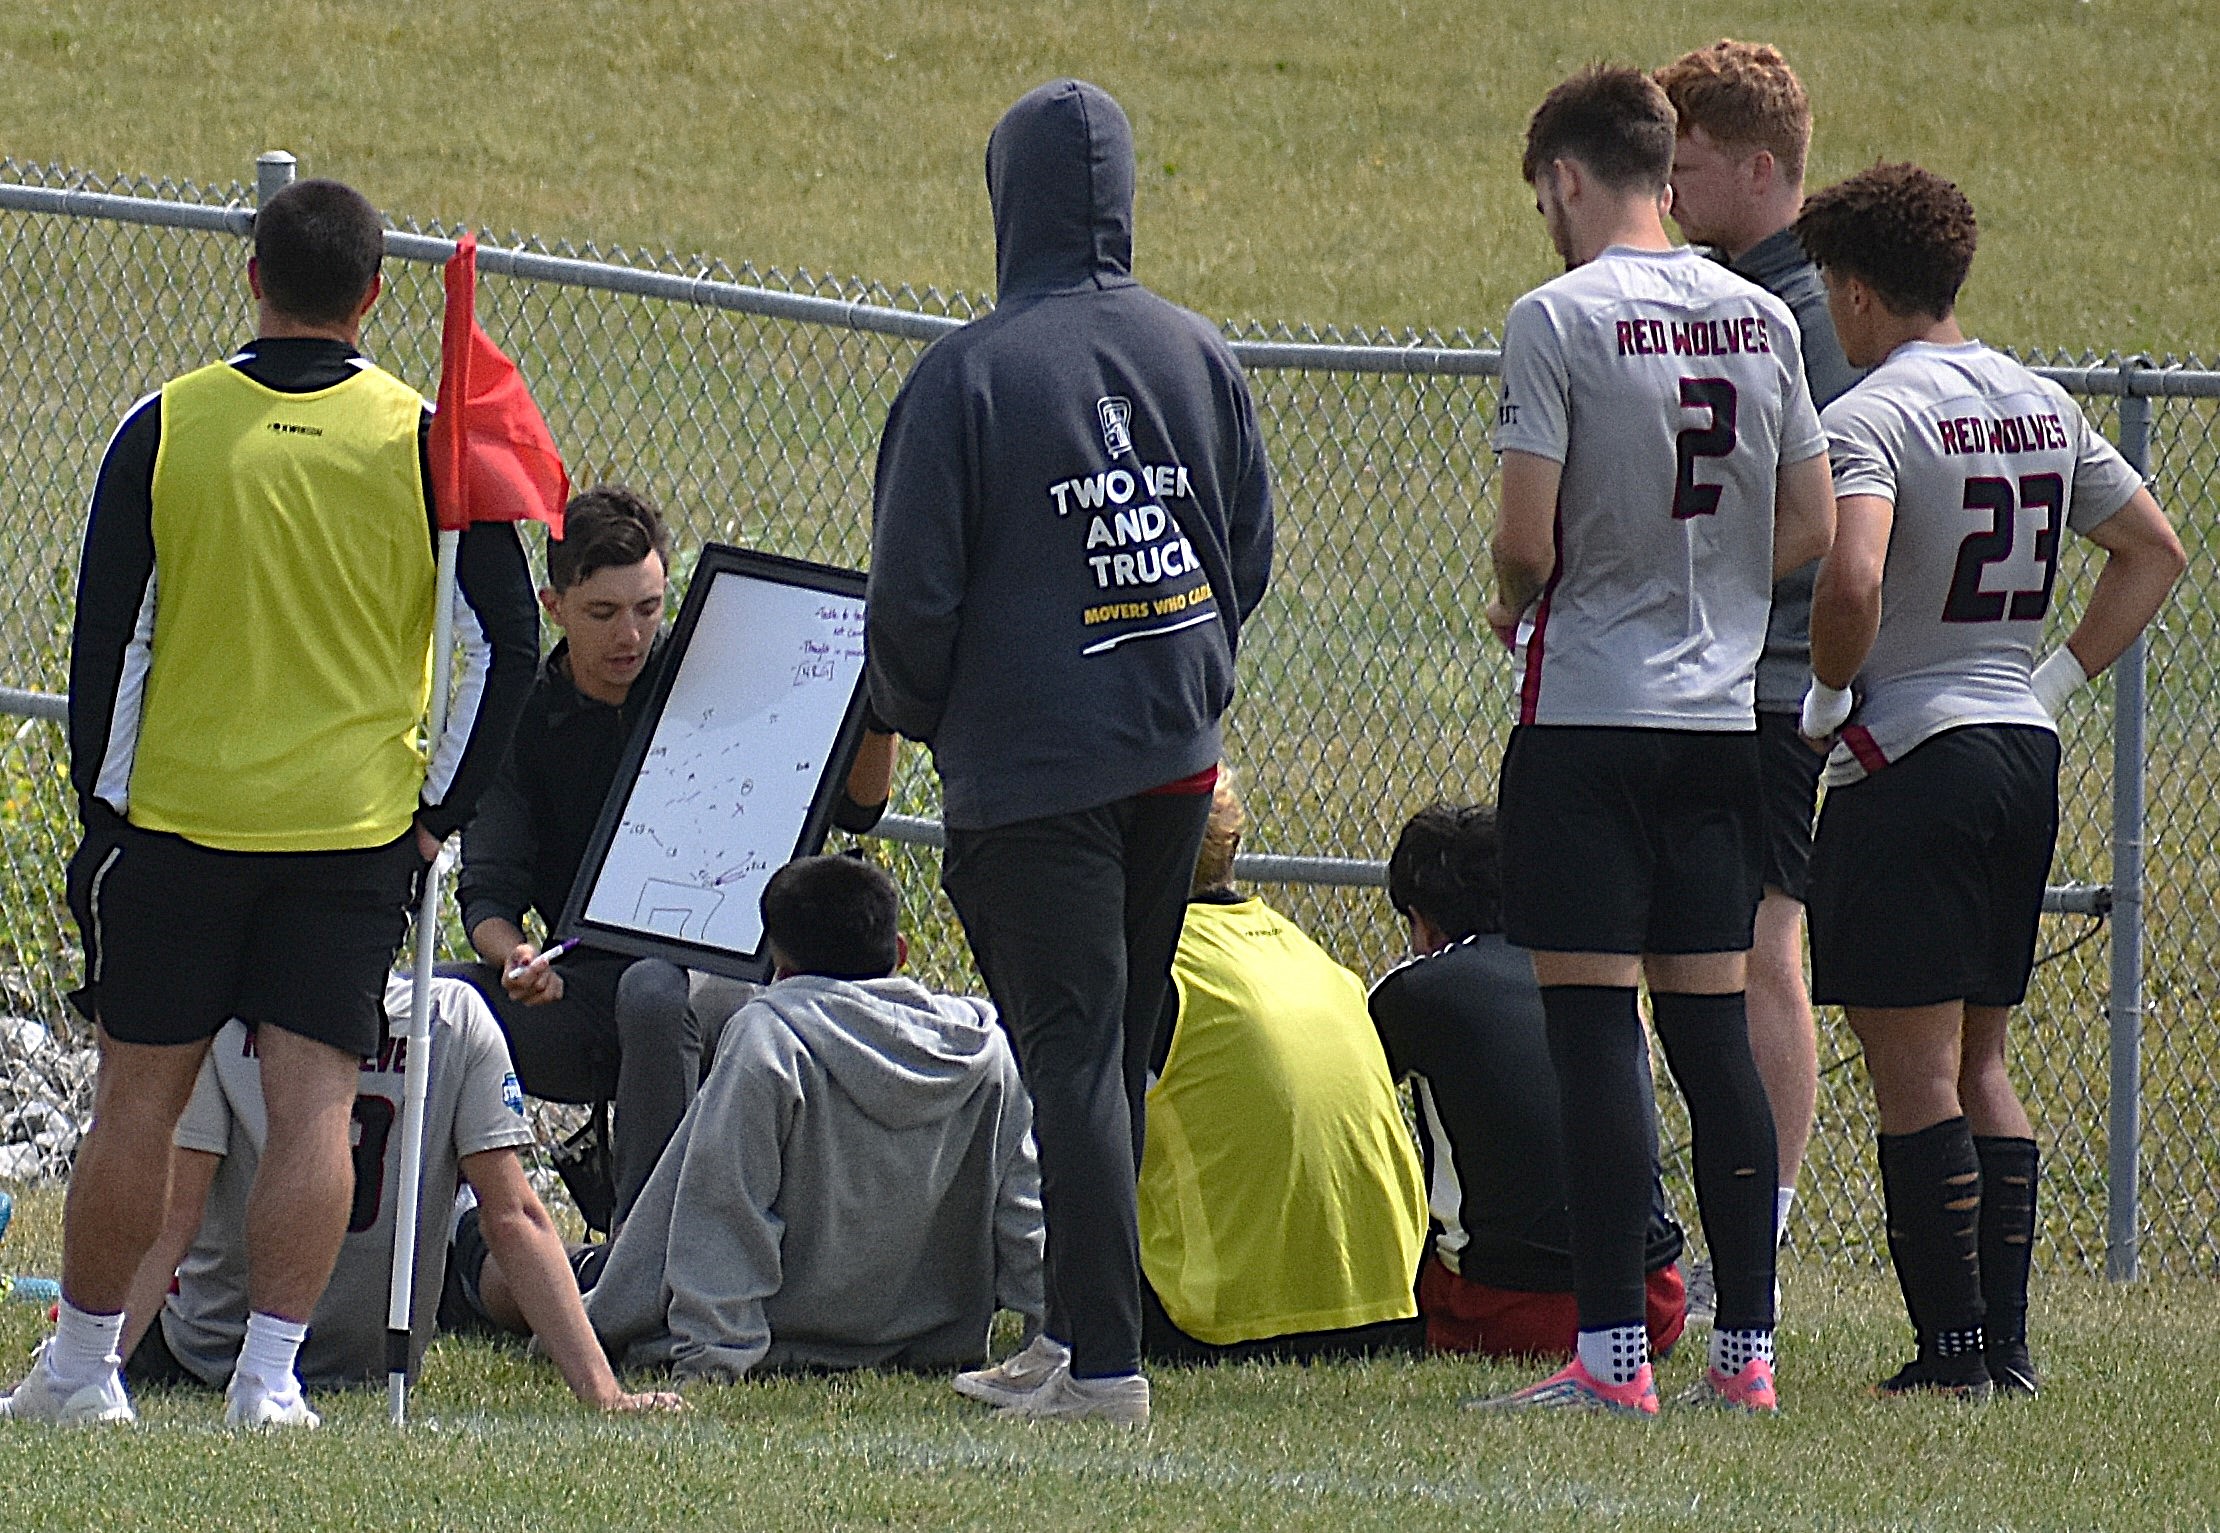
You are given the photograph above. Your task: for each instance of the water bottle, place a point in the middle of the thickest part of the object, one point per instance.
(33, 1290)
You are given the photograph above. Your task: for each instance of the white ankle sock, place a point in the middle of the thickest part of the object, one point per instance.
(1784, 1199)
(1731, 1350)
(84, 1347)
(1615, 1355)
(266, 1358)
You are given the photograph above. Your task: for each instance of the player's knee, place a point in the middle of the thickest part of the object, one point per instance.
(651, 1004)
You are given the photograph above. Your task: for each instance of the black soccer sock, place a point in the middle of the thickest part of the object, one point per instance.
(1610, 1118)
(1931, 1184)
(1707, 1046)
(2009, 1172)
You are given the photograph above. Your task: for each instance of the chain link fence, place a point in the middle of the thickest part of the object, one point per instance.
(748, 404)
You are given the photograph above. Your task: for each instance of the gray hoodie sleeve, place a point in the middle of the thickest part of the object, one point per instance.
(920, 497)
(689, 1294)
(723, 1262)
(1018, 1225)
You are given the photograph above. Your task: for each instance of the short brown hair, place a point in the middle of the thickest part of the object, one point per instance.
(1905, 232)
(605, 526)
(1613, 120)
(317, 245)
(1743, 94)
(1221, 837)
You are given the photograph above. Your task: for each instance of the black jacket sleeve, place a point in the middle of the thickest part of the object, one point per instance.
(921, 494)
(1249, 523)
(497, 626)
(114, 581)
(498, 848)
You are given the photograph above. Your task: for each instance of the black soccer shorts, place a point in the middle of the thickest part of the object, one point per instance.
(1629, 840)
(1927, 877)
(180, 938)
(1788, 782)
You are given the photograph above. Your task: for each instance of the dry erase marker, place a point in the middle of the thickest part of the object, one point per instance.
(553, 953)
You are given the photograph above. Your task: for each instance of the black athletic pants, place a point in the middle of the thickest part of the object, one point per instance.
(1073, 920)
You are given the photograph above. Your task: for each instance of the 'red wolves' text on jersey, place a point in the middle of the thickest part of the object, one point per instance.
(1686, 386)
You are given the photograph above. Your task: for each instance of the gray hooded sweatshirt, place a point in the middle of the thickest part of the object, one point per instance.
(854, 1186)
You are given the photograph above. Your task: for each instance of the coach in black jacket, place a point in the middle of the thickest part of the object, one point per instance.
(1072, 517)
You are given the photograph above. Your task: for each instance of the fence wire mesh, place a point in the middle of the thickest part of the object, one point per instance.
(1368, 685)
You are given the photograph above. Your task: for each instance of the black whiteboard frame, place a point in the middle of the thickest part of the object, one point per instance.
(717, 559)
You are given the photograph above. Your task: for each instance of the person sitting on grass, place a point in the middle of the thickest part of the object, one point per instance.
(1463, 1021)
(187, 1316)
(1281, 1205)
(854, 1186)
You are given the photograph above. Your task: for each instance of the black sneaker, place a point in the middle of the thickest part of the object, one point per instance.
(1963, 1378)
(2011, 1370)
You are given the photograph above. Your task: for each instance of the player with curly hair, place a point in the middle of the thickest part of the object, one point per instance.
(1957, 472)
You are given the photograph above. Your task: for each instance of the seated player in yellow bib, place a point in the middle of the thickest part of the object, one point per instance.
(1282, 1207)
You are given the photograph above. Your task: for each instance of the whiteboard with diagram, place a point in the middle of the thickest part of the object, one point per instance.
(734, 766)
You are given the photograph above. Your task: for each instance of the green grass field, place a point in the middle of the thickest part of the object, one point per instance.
(2120, 1439)
(1303, 163)
(1304, 159)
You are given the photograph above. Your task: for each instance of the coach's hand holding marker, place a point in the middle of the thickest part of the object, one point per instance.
(1826, 710)
(2059, 677)
(529, 979)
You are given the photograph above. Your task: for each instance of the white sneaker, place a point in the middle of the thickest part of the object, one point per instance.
(40, 1398)
(247, 1405)
(1017, 1375)
(1122, 1401)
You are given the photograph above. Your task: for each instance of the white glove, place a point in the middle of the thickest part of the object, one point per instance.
(1825, 710)
(2059, 677)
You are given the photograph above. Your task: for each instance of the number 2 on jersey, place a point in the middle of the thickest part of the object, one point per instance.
(1715, 440)
(1967, 602)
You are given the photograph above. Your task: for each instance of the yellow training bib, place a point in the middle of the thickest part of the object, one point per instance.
(1280, 1191)
(293, 588)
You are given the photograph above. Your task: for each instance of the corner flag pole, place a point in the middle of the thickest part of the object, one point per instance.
(417, 1068)
(492, 460)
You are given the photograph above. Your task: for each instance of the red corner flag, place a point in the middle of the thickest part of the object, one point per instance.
(492, 457)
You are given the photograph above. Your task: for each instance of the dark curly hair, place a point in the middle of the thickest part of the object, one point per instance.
(1905, 232)
(1615, 121)
(1445, 866)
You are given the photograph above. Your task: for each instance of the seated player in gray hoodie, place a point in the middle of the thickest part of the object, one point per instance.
(854, 1185)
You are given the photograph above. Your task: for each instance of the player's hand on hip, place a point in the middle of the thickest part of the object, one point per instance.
(529, 978)
(653, 1400)
(1826, 710)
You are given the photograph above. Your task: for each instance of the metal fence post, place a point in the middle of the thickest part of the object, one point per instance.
(2123, 1214)
(274, 170)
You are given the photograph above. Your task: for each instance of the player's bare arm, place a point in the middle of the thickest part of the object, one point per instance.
(871, 779)
(192, 1173)
(1845, 610)
(524, 1241)
(1524, 547)
(1846, 597)
(2143, 558)
(1803, 514)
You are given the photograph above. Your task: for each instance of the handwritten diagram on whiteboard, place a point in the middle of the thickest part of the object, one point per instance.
(736, 759)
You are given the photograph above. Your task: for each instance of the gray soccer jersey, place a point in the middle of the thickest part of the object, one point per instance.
(1986, 464)
(1672, 391)
(473, 1104)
